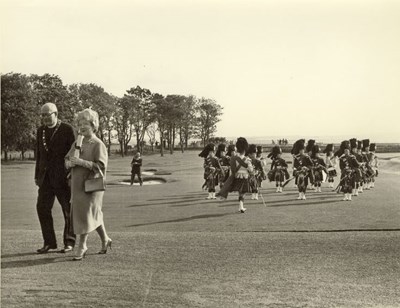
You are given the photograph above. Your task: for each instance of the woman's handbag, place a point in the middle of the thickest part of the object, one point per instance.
(97, 183)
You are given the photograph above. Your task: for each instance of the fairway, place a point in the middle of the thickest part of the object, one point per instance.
(173, 248)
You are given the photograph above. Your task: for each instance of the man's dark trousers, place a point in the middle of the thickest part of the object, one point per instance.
(45, 202)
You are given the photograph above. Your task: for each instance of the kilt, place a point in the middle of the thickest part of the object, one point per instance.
(241, 185)
(279, 175)
(348, 183)
(318, 177)
(332, 172)
(271, 175)
(357, 175)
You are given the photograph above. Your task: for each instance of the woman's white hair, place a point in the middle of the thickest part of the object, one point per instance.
(89, 115)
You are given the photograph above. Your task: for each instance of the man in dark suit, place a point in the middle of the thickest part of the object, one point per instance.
(54, 139)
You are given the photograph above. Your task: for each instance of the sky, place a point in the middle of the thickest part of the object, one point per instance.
(278, 68)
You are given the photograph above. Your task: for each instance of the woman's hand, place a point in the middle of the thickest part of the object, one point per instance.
(68, 164)
(75, 161)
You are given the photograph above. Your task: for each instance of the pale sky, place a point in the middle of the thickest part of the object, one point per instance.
(279, 68)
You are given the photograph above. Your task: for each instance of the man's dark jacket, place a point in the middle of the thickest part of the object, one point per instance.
(52, 161)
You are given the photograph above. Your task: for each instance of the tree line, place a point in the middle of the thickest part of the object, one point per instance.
(139, 113)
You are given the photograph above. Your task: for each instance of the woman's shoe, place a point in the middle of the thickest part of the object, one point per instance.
(108, 245)
(81, 255)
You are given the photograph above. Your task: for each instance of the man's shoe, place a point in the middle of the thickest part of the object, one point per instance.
(46, 248)
(66, 249)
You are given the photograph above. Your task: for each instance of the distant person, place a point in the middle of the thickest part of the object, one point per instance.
(54, 139)
(319, 167)
(87, 214)
(136, 168)
(374, 163)
(212, 168)
(347, 164)
(358, 174)
(302, 165)
(330, 162)
(278, 171)
(368, 159)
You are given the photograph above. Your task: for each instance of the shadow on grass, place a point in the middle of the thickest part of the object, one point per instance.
(183, 219)
(192, 196)
(32, 262)
(22, 254)
(301, 203)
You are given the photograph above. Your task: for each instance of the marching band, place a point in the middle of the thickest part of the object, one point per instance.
(242, 168)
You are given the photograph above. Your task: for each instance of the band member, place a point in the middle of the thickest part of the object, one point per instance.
(263, 161)
(347, 163)
(330, 162)
(357, 170)
(319, 167)
(279, 166)
(241, 168)
(258, 174)
(368, 157)
(260, 157)
(309, 147)
(231, 151)
(211, 169)
(301, 168)
(360, 160)
(224, 162)
(374, 163)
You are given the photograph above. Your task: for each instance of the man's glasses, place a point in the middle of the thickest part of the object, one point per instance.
(46, 115)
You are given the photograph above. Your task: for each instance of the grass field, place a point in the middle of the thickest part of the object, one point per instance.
(173, 248)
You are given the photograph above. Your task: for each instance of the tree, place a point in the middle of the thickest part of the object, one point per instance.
(217, 140)
(208, 116)
(188, 124)
(50, 89)
(121, 119)
(161, 112)
(142, 114)
(93, 96)
(19, 114)
(151, 133)
(174, 118)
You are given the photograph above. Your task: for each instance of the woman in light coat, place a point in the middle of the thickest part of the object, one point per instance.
(86, 157)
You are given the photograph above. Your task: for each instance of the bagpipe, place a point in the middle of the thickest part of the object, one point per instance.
(346, 179)
(278, 171)
(303, 172)
(321, 171)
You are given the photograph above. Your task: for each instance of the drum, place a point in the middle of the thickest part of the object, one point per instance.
(332, 172)
(271, 175)
(324, 176)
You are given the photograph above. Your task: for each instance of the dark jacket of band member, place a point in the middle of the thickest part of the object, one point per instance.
(348, 161)
(51, 162)
(368, 157)
(359, 157)
(225, 161)
(278, 162)
(211, 162)
(302, 160)
(319, 163)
